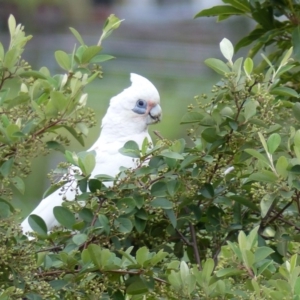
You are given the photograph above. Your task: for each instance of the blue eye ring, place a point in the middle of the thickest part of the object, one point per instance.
(141, 103)
(140, 107)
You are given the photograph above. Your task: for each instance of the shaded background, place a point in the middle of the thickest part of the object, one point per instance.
(159, 39)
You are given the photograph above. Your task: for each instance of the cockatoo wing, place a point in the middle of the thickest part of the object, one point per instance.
(127, 118)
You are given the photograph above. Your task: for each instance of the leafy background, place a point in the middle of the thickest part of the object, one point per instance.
(162, 44)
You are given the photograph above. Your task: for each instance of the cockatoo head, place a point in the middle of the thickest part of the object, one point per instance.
(135, 108)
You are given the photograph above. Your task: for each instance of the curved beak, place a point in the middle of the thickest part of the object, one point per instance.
(154, 115)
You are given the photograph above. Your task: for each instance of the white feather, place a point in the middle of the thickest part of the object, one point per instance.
(119, 125)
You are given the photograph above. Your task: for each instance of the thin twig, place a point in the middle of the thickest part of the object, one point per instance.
(158, 134)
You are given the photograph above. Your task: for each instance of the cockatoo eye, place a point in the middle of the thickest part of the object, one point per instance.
(140, 107)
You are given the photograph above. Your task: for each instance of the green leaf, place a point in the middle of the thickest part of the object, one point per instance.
(162, 203)
(56, 146)
(208, 268)
(6, 167)
(244, 201)
(38, 224)
(262, 253)
(137, 287)
(263, 176)
(172, 217)
(217, 65)
(219, 10)
(53, 188)
(207, 190)
(77, 35)
(32, 73)
(112, 23)
(210, 135)
(101, 58)
(79, 239)
(64, 216)
(90, 53)
(19, 184)
(273, 142)
(88, 163)
(95, 254)
(227, 50)
(104, 223)
(263, 141)
(131, 149)
(159, 256)
(2, 52)
(63, 60)
(281, 166)
(296, 42)
(248, 66)
(296, 111)
(12, 25)
(170, 154)
(192, 117)
(59, 101)
(126, 205)
(257, 155)
(284, 91)
(142, 255)
(228, 272)
(123, 225)
(11, 58)
(79, 138)
(243, 5)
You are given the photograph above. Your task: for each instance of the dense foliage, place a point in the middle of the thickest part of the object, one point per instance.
(215, 220)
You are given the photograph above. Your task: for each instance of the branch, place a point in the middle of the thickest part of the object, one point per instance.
(195, 247)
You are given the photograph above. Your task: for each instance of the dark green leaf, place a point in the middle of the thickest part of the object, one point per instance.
(19, 184)
(295, 169)
(296, 42)
(296, 111)
(219, 10)
(210, 135)
(137, 287)
(79, 138)
(207, 190)
(58, 284)
(6, 167)
(139, 224)
(240, 4)
(56, 146)
(172, 217)
(126, 205)
(38, 224)
(123, 225)
(244, 201)
(159, 189)
(54, 188)
(161, 203)
(64, 216)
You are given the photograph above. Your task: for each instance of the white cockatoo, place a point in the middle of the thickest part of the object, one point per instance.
(127, 118)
